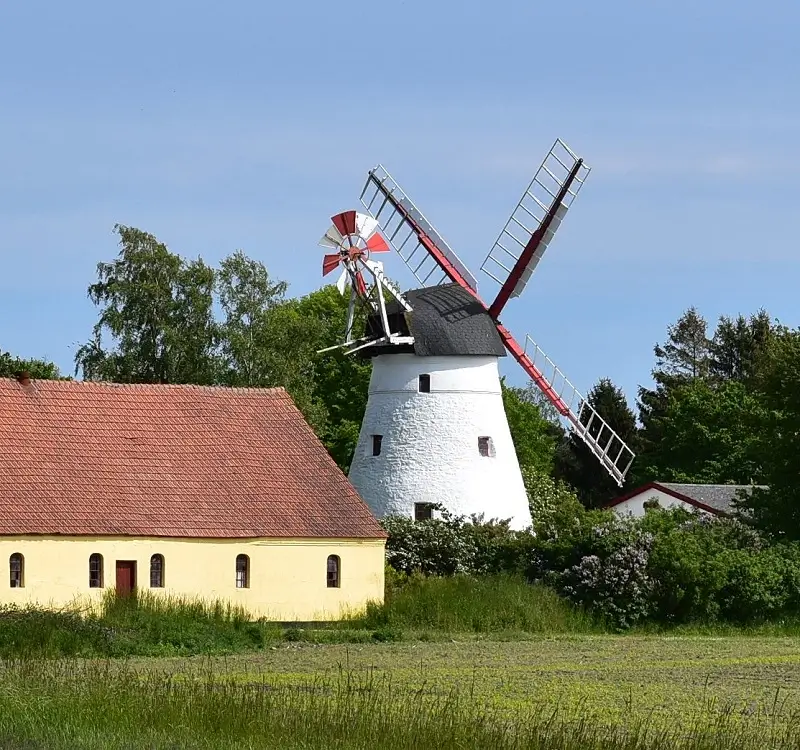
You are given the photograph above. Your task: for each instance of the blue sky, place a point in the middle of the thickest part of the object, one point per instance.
(247, 125)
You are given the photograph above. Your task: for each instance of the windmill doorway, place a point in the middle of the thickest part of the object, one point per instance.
(126, 577)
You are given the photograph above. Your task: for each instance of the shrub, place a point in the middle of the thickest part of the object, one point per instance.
(616, 583)
(439, 546)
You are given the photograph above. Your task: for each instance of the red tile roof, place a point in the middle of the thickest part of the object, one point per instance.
(168, 460)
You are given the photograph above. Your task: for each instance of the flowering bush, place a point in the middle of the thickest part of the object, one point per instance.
(616, 583)
(438, 546)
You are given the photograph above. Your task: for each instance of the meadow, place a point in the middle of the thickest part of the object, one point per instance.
(597, 691)
(446, 663)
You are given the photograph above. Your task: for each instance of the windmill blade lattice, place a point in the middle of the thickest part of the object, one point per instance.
(419, 245)
(584, 420)
(531, 226)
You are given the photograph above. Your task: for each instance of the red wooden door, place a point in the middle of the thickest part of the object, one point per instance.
(126, 577)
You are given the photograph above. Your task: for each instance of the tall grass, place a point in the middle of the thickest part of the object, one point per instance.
(469, 604)
(55, 705)
(144, 625)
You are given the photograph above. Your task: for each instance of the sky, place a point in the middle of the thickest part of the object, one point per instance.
(247, 125)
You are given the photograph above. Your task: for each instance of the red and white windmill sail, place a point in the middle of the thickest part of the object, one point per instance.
(355, 237)
(511, 262)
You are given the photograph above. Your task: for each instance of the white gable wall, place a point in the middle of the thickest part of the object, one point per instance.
(634, 506)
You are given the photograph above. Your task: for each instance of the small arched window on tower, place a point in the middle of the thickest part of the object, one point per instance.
(157, 572)
(16, 564)
(242, 572)
(486, 446)
(95, 571)
(333, 578)
(377, 444)
(425, 383)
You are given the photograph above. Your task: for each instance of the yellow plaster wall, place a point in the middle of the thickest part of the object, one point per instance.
(287, 577)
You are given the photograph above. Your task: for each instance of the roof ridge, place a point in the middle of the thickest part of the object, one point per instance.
(703, 484)
(159, 386)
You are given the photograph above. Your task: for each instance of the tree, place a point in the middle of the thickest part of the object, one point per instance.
(777, 508)
(738, 346)
(575, 462)
(709, 434)
(685, 355)
(687, 351)
(38, 369)
(340, 383)
(534, 435)
(247, 296)
(157, 309)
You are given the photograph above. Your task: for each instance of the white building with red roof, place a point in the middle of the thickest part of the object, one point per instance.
(198, 492)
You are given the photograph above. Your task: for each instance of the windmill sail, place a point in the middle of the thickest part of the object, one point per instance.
(531, 226)
(612, 452)
(419, 245)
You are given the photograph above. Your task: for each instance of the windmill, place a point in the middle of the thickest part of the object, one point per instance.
(435, 429)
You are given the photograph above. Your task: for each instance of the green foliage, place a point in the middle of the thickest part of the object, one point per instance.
(248, 347)
(777, 509)
(708, 434)
(157, 309)
(439, 546)
(686, 354)
(533, 433)
(157, 324)
(739, 347)
(340, 382)
(38, 369)
(704, 420)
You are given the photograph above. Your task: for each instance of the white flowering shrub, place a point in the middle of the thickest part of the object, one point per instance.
(438, 546)
(616, 583)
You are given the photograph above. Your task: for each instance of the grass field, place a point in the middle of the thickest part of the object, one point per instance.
(567, 693)
(616, 678)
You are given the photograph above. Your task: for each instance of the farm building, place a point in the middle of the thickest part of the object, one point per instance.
(716, 499)
(201, 492)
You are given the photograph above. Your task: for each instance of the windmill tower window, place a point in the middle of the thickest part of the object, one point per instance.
(425, 383)
(423, 511)
(486, 447)
(377, 442)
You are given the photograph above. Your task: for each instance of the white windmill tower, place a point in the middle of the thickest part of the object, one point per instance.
(434, 429)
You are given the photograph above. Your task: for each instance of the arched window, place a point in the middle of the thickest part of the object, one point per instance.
(333, 571)
(157, 572)
(95, 571)
(242, 572)
(16, 564)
